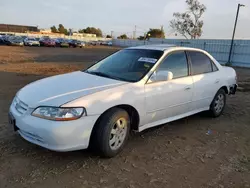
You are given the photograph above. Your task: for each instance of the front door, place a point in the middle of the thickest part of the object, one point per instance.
(173, 97)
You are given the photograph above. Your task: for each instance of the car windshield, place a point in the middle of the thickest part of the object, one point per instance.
(45, 38)
(18, 39)
(129, 65)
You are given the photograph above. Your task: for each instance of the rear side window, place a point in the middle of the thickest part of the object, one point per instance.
(175, 63)
(200, 63)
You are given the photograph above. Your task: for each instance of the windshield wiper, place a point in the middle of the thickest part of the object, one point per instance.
(102, 75)
(99, 74)
(108, 76)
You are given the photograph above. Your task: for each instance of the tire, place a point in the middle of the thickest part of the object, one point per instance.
(108, 137)
(218, 104)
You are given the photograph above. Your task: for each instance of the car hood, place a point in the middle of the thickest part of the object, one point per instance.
(61, 89)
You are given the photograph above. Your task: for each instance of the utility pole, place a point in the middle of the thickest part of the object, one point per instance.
(162, 34)
(112, 33)
(162, 30)
(134, 33)
(235, 24)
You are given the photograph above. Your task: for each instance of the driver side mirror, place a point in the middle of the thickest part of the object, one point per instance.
(159, 76)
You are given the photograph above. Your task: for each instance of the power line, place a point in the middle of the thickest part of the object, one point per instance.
(145, 30)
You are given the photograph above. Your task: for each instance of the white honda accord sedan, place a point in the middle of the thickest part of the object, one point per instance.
(133, 89)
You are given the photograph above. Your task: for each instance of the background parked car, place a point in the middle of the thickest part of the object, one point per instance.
(1, 40)
(103, 42)
(94, 43)
(42, 40)
(48, 42)
(110, 43)
(76, 43)
(24, 37)
(64, 43)
(59, 41)
(31, 42)
(15, 41)
(6, 38)
(107, 43)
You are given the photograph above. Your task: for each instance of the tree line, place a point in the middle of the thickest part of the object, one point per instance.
(89, 30)
(188, 24)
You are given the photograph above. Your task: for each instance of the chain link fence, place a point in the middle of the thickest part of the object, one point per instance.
(218, 48)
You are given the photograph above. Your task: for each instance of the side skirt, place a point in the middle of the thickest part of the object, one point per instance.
(167, 120)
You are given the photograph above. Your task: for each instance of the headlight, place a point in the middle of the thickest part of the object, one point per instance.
(59, 114)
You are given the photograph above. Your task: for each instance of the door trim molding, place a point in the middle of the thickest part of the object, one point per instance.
(160, 109)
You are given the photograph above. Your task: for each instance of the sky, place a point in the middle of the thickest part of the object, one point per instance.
(121, 16)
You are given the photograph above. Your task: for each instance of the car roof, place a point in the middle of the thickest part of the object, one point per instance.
(161, 47)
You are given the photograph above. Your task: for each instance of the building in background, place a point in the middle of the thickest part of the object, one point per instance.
(45, 31)
(83, 34)
(17, 28)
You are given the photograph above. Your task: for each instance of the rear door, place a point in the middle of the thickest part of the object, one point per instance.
(206, 79)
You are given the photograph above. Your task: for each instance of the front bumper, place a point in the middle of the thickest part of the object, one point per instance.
(64, 45)
(34, 44)
(16, 44)
(57, 136)
(50, 44)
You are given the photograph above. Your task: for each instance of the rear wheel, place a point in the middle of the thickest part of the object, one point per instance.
(218, 104)
(111, 132)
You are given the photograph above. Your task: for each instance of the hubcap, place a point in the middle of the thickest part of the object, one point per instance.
(219, 103)
(118, 134)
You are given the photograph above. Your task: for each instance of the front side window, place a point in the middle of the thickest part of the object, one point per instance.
(200, 63)
(215, 68)
(175, 63)
(127, 65)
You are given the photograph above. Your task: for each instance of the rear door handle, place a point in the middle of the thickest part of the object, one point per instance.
(217, 81)
(187, 88)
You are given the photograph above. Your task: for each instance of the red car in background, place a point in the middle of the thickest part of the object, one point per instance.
(48, 42)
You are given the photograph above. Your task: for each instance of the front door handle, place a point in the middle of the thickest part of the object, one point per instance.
(187, 88)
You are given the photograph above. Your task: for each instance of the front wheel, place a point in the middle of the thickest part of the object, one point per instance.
(111, 132)
(218, 104)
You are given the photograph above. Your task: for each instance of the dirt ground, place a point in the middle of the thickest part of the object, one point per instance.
(197, 151)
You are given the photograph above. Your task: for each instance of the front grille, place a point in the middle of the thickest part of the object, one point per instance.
(20, 106)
